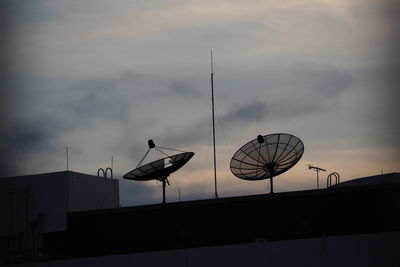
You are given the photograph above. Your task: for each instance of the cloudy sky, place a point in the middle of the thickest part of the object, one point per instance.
(102, 77)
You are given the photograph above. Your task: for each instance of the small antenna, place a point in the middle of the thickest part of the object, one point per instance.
(213, 124)
(316, 169)
(66, 150)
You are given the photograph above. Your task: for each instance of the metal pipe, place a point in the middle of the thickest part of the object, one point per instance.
(329, 179)
(111, 172)
(98, 172)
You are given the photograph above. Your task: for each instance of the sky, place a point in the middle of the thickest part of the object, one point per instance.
(103, 77)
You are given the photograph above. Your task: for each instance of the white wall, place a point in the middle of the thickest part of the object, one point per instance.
(52, 195)
(88, 192)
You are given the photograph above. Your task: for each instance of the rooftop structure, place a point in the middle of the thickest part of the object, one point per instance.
(32, 205)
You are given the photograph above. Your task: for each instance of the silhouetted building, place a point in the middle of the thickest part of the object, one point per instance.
(354, 223)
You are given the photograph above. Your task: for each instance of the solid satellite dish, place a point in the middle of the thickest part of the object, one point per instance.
(159, 169)
(266, 157)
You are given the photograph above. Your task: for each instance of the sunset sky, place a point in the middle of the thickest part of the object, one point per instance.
(103, 77)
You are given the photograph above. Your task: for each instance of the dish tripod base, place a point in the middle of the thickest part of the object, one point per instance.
(164, 181)
(272, 185)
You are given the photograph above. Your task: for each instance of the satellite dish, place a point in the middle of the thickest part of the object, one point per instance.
(266, 157)
(159, 169)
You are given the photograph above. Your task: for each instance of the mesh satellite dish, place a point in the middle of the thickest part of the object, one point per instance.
(159, 169)
(266, 157)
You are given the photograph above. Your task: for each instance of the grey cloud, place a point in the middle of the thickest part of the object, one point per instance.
(29, 138)
(126, 100)
(98, 104)
(382, 11)
(24, 140)
(285, 91)
(119, 97)
(308, 79)
(385, 19)
(110, 99)
(383, 109)
(183, 88)
(296, 91)
(325, 81)
(33, 13)
(284, 81)
(7, 92)
(34, 128)
(240, 116)
(257, 110)
(246, 113)
(194, 133)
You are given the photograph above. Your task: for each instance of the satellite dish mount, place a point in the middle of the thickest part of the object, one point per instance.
(266, 157)
(160, 169)
(164, 181)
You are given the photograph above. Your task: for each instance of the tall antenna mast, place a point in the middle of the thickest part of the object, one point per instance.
(213, 124)
(66, 150)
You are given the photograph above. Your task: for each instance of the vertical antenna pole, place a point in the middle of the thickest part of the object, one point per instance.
(272, 185)
(164, 184)
(316, 169)
(213, 124)
(66, 150)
